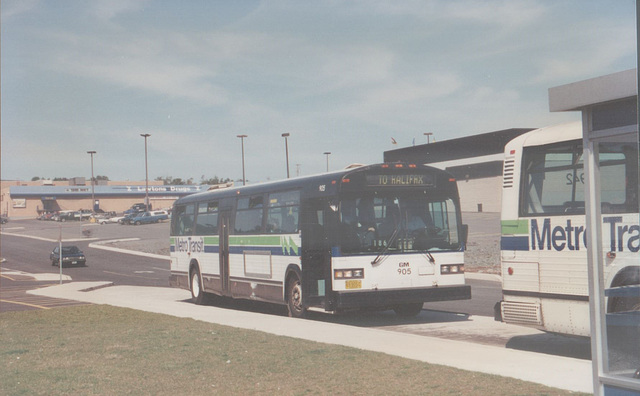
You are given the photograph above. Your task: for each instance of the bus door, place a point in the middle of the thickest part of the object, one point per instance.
(316, 279)
(224, 229)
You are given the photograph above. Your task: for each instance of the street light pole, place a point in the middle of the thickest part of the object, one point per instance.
(146, 172)
(327, 153)
(286, 147)
(93, 195)
(427, 134)
(242, 141)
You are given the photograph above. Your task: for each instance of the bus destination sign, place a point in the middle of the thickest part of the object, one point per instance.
(400, 180)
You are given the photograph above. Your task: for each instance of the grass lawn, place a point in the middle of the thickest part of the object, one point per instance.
(99, 349)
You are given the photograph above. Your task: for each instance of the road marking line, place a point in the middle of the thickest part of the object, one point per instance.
(48, 239)
(23, 303)
(130, 276)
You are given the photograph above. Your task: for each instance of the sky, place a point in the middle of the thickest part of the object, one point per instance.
(344, 77)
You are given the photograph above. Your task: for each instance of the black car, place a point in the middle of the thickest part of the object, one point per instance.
(70, 255)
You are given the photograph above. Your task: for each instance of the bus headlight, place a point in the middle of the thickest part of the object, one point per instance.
(452, 269)
(348, 273)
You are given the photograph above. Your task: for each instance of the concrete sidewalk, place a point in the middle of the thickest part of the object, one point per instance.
(555, 371)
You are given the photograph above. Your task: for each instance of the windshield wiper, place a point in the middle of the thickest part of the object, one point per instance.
(432, 259)
(384, 251)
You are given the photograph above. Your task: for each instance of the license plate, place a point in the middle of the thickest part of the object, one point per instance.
(74, 262)
(353, 284)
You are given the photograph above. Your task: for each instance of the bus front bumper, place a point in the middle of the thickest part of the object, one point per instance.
(393, 297)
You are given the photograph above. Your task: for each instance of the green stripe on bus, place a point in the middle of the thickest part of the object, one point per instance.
(211, 240)
(255, 240)
(285, 242)
(515, 227)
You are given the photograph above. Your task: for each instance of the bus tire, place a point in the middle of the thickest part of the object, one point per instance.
(294, 297)
(628, 277)
(408, 310)
(195, 285)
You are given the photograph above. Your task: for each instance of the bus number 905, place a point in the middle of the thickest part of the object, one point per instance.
(404, 268)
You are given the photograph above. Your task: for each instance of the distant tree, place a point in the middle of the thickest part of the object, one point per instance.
(35, 178)
(60, 179)
(214, 180)
(99, 177)
(170, 180)
(164, 180)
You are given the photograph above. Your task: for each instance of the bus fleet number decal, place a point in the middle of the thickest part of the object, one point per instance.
(574, 179)
(404, 268)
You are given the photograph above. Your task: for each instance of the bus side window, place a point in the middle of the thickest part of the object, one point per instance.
(207, 219)
(249, 215)
(282, 215)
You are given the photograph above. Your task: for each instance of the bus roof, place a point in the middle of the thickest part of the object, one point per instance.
(548, 135)
(308, 184)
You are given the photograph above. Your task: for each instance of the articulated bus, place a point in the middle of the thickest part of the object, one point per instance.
(543, 244)
(386, 236)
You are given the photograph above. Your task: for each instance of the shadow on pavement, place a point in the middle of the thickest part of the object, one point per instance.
(553, 344)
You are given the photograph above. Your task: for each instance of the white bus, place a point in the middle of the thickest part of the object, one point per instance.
(385, 236)
(543, 243)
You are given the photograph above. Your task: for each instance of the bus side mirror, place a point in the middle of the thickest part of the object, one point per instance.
(465, 234)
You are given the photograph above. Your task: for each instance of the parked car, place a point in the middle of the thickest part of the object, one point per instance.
(70, 255)
(64, 215)
(149, 217)
(126, 219)
(45, 216)
(82, 214)
(137, 208)
(104, 217)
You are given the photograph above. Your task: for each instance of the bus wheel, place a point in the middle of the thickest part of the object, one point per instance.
(294, 298)
(408, 310)
(197, 295)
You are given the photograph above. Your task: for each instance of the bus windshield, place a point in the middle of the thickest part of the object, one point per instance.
(371, 223)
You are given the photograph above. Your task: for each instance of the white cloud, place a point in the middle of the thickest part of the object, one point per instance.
(12, 8)
(504, 13)
(350, 66)
(398, 92)
(605, 47)
(497, 13)
(137, 64)
(109, 9)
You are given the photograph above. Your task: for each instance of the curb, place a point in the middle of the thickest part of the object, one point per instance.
(483, 276)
